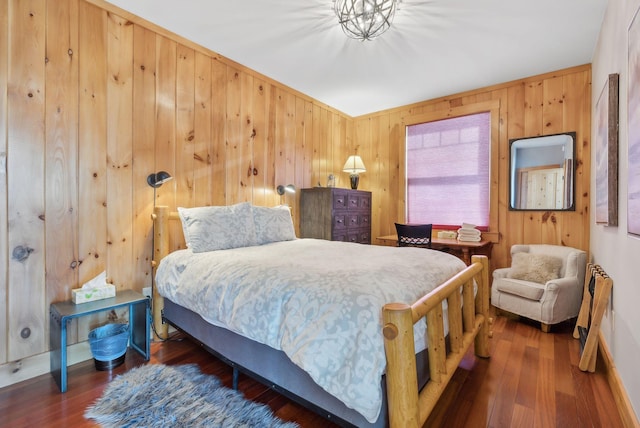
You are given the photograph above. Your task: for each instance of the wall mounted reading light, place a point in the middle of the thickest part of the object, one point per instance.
(289, 188)
(354, 166)
(158, 179)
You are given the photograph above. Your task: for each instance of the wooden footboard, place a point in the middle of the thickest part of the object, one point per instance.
(407, 406)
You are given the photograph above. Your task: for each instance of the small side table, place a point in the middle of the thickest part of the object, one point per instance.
(61, 313)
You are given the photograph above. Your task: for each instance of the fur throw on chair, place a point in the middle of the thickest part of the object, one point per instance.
(538, 268)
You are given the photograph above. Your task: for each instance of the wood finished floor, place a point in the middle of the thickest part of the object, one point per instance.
(531, 380)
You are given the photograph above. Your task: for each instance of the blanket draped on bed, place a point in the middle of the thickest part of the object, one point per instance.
(318, 301)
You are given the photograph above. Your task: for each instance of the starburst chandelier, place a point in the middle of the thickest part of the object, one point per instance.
(365, 19)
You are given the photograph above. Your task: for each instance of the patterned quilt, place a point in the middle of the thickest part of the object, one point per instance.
(318, 301)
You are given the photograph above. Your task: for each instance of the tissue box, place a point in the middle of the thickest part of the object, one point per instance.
(82, 295)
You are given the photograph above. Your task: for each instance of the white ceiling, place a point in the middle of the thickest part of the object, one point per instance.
(434, 48)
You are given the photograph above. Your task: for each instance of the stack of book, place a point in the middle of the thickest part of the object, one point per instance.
(469, 233)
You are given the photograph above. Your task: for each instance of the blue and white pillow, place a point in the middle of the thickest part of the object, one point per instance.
(219, 227)
(273, 224)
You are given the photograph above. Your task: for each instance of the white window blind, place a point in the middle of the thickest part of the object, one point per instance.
(448, 171)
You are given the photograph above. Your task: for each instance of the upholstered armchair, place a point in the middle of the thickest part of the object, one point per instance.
(544, 283)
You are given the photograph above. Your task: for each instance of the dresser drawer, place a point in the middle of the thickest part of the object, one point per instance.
(340, 221)
(365, 220)
(353, 202)
(363, 236)
(353, 237)
(357, 220)
(349, 220)
(360, 236)
(340, 201)
(359, 202)
(340, 235)
(353, 220)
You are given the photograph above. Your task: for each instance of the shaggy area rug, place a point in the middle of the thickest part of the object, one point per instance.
(155, 395)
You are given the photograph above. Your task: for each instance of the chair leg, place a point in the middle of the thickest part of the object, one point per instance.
(545, 327)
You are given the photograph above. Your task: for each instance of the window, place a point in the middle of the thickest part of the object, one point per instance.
(447, 169)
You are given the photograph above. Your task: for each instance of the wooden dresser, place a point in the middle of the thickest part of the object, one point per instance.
(335, 214)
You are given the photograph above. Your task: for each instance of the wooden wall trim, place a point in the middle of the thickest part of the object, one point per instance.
(4, 255)
(628, 415)
(491, 106)
(40, 364)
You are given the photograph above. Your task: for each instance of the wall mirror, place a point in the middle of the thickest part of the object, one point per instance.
(541, 173)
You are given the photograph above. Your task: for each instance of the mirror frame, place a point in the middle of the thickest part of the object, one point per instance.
(543, 140)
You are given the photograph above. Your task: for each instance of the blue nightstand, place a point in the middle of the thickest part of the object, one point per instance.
(62, 312)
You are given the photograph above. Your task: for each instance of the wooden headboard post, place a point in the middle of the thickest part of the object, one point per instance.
(160, 218)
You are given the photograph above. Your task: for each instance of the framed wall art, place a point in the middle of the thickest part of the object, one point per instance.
(633, 121)
(607, 153)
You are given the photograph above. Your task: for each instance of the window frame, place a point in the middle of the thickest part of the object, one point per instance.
(493, 108)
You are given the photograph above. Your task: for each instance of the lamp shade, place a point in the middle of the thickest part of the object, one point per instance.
(158, 179)
(354, 165)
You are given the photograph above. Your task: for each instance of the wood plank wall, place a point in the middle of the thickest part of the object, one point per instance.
(4, 257)
(541, 105)
(98, 99)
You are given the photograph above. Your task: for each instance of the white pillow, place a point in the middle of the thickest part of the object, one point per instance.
(273, 224)
(535, 267)
(218, 228)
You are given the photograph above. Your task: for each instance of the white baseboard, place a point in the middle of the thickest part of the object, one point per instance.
(36, 365)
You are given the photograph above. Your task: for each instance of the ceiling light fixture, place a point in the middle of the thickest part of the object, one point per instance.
(365, 19)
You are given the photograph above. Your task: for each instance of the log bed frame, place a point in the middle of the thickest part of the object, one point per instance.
(406, 406)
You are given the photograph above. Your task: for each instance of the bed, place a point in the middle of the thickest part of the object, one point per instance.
(319, 320)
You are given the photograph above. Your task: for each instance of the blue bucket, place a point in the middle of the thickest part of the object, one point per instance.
(109, 345)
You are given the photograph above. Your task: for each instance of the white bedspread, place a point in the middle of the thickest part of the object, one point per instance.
(318, 301)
